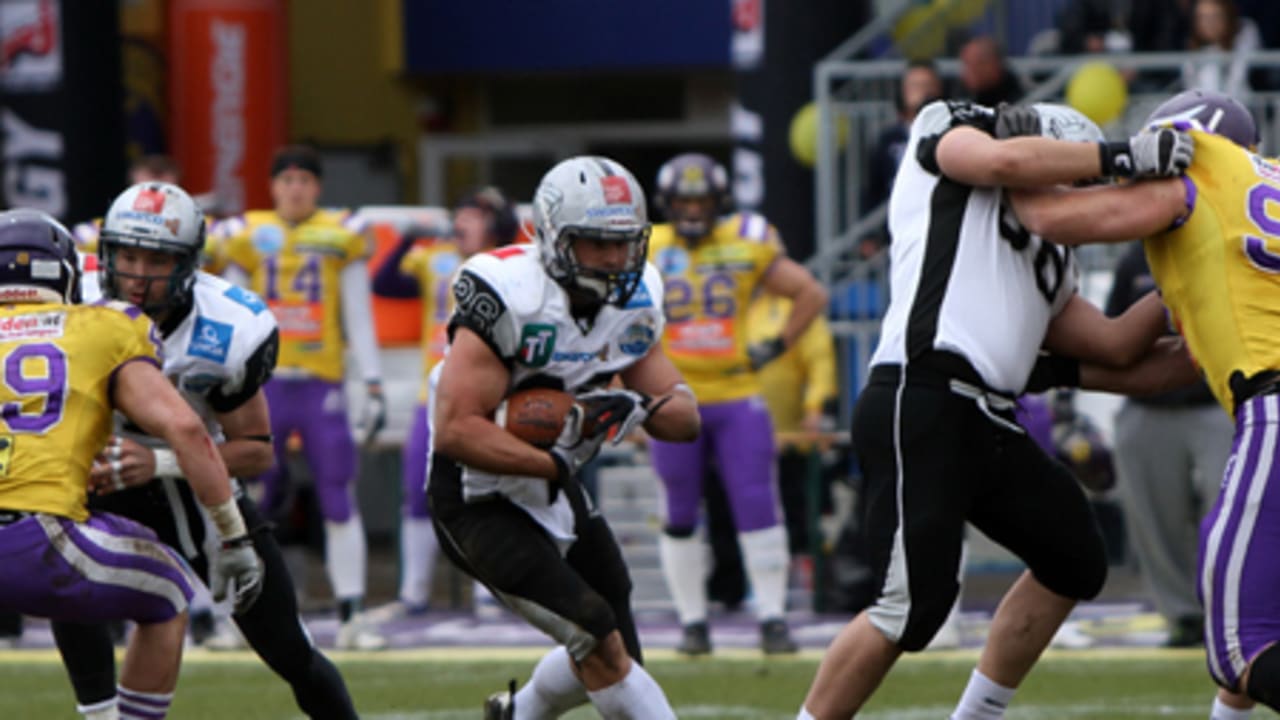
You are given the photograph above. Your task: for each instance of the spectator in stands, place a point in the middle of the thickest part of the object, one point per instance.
(484, 220)
(1084, 25)
(1170, 452)
(919, 85)
(985, 75)
(1221, 42)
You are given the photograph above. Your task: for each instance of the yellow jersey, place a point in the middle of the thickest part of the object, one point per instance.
(708, 288)
(55, 403)
(1219, 272)
(803, 379)
(296, 269)
(433, 266)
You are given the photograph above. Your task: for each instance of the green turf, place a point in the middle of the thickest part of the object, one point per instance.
(422, 686)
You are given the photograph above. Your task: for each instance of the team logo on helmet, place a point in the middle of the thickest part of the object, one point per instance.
(150, 200)
(615, 190)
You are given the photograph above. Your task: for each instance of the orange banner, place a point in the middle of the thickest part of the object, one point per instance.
(228, 96)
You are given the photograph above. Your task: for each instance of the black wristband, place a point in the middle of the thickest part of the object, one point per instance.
(1053, 371)
(1116, 158)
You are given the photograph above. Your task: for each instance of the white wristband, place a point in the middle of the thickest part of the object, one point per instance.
(166, 463)
(226, 517)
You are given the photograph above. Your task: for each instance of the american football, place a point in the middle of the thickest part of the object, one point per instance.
(535, 415)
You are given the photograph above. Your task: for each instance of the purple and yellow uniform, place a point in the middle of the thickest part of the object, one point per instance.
(1219, 274)
(708, 290)
(63, 562)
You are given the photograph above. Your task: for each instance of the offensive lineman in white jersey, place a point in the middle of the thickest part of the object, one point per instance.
(974, 297)
(574, 311)
(220, 345)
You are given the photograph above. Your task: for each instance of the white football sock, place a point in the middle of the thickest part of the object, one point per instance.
(418, 550)
(764, 552)
(635, 697)
(105, 710)
(804, 714)
(982, 699)
(345, 555)
(685, 568)
(1223, 711)
(553, 690)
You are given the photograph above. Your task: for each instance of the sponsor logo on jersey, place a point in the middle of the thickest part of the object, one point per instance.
(639, 299)
(637, 338)
(672, 260)
(1265, 168)
(149, 200)
(268, 239)
(537, 344)
(240, 296)
(616, 191)
(210, 340)
(580, 355)
(34, 325)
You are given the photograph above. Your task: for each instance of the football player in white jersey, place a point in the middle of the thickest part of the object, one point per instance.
(934, 429)
(220, 344)
(574, 311)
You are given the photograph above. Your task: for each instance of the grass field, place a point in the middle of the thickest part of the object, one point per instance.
(450, 684)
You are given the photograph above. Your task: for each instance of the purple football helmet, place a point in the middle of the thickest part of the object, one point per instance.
(1209, 111)
(692, 175)
(38, 261)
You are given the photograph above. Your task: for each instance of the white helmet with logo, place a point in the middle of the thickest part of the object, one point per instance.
(1064, 122)
(154, 216)
(592, 198)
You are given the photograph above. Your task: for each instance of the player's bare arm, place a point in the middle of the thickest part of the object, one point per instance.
(1082, 331)
(247, 448)
(472, 384)
(790, 279)
(1101, 214)
(654, 375)
(1166, 366)
(973, 157)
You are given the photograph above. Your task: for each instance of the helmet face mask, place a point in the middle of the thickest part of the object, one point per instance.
(38, 261)
(692, 191)
(581, 206)
(147, 219)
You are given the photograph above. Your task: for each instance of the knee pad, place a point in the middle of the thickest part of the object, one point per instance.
(1264, 678)
(680, 533)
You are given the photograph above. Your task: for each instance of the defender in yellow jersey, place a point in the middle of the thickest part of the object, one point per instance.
(483, 221)
(1213, 244)
(711, 268)
(309, 266)
(67, 368)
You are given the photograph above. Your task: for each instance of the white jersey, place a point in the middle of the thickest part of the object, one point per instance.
(508, 299)
(964, 276)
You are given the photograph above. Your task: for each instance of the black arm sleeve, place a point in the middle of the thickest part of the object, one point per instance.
(479, 308)
(257, 371)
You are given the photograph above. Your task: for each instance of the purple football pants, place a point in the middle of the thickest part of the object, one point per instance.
(413, 463)
(317, 411)
(739, 435)
(106, 568)
(1239, 566)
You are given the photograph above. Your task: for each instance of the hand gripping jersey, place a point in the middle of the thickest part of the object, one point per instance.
(59, 361)
(1219, 272)
(964, 275)
(433, 266)
(507, 298)
(708, 288)
(296, 270)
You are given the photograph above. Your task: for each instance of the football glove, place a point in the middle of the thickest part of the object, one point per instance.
(373, 415)
(237, 569)
(1158, 152)
(1016, 121)
(764, 352)
(615, 414)
(572, 450)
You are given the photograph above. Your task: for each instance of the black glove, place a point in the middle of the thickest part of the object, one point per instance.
(614, 414)
(1016, 121)
(1159, 152)
(1053, 371)
(764, 352)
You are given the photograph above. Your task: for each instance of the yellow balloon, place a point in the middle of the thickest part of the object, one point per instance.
(1099, 91)
(920, 33)
(961, 12)
(803, 134)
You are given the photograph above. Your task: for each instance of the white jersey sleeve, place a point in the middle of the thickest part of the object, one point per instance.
(484, 292)
(232, 328)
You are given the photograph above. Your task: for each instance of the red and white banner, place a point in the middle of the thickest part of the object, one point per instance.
(228, 94)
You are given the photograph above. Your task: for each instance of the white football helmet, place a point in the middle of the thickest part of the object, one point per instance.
(594, 198)
(154, 216)
(1064, 122)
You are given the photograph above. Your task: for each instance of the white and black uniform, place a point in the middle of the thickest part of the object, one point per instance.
(218, 351)
(516, 534)
(972, 295)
